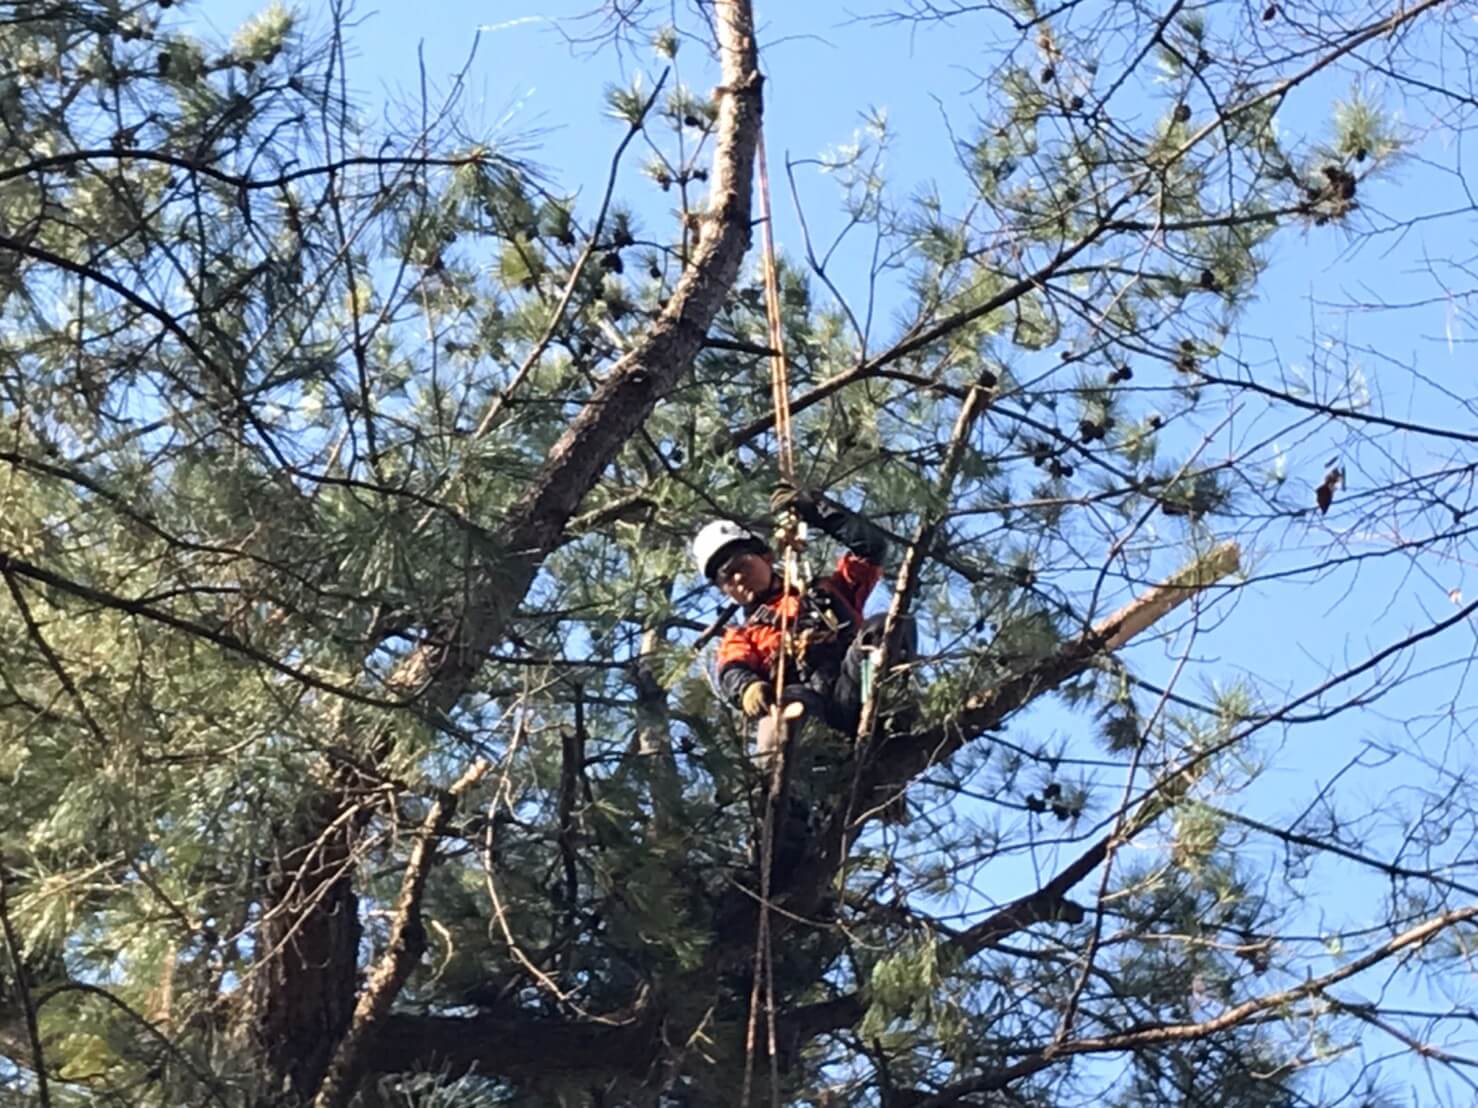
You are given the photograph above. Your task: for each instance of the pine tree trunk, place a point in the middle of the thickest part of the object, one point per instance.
(302, 987)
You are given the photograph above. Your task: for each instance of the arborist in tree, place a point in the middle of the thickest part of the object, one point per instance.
(832, 641)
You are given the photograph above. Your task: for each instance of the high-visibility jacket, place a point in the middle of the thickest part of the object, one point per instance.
(824, 617)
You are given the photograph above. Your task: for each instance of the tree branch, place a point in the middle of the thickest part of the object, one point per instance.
(1162, 1033)
(23, 989)
(905, 757)
(407, 944)
(240, 181)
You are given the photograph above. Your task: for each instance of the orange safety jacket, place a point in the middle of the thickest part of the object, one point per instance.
(824, 619)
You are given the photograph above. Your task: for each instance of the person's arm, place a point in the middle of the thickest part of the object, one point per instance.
(741, 673)
(855, 578)
(854, 531)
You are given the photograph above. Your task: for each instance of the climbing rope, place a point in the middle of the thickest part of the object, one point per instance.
(779, 373)
(790, 539)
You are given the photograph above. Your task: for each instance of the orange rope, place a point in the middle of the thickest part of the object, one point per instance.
(763, 985)
(779, 372)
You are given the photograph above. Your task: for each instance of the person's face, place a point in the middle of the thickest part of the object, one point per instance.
(745, 578)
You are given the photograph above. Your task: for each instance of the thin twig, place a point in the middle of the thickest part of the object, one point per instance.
(23, 987)
(34, 630)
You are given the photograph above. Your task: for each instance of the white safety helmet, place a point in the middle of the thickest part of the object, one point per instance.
(721, 540)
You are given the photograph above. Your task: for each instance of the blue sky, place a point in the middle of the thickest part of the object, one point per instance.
(824, 68)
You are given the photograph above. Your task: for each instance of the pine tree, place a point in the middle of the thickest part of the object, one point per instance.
(357, 721)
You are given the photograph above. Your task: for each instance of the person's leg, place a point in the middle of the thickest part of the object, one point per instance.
(904, 710)
(781, 759)
(769, 747)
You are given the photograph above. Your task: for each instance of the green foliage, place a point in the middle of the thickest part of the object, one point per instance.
(263, 37)
(263, 424)
(627, 103)
(1363, 130)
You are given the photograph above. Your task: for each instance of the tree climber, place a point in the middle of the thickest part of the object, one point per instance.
(832, 640)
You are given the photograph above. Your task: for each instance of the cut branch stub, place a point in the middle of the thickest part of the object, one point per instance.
(1145, 611)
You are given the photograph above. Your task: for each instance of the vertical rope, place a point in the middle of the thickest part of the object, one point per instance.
(762, 990)
(779, 371)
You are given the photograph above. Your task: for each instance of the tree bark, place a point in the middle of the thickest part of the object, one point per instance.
(301, 990)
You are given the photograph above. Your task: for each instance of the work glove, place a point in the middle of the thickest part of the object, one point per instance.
(788, 497)
(756, 699)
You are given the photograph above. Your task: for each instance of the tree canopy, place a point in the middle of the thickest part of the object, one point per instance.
(358, 726)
